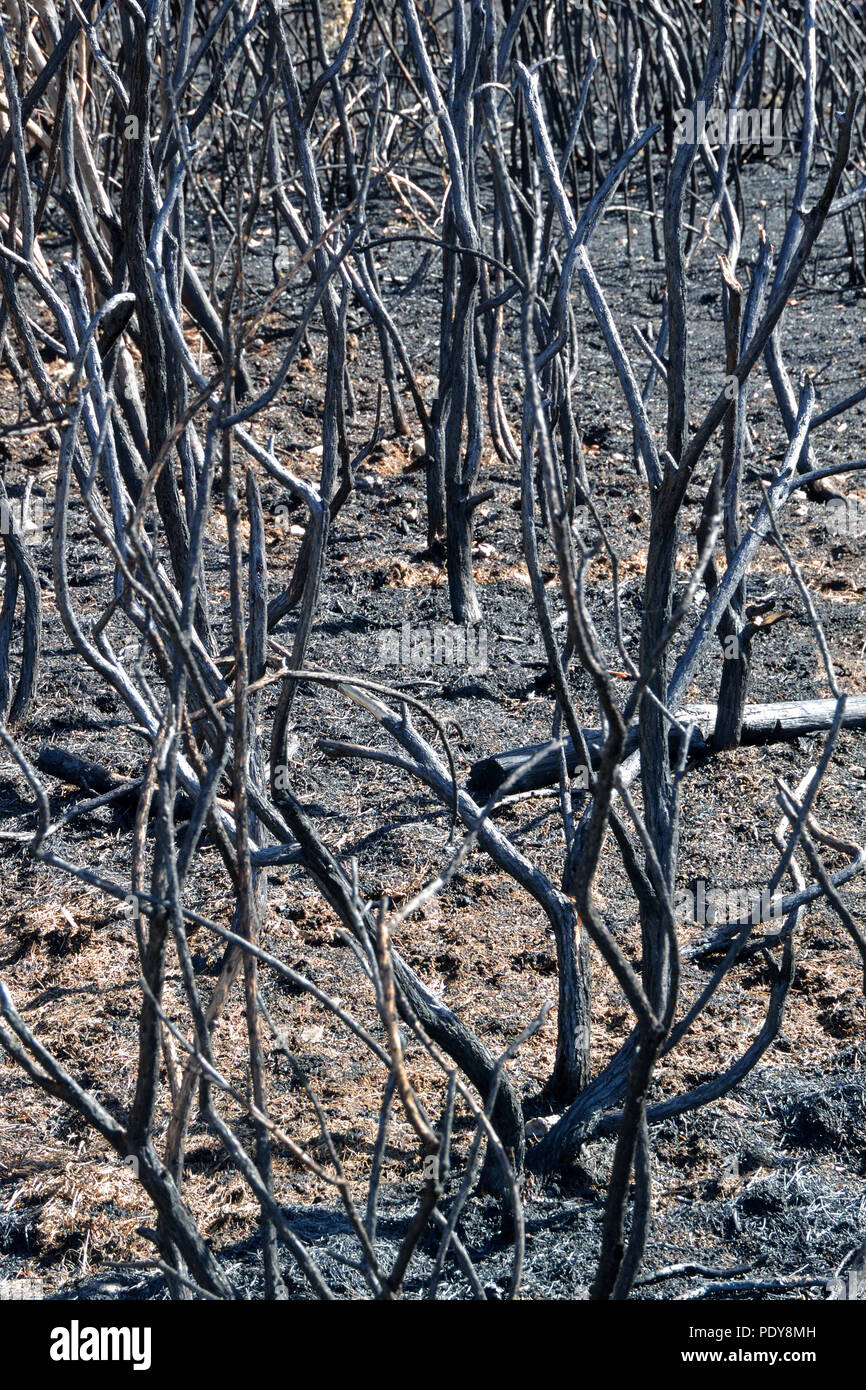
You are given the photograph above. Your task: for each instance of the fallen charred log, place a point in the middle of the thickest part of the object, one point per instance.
(99, 780)
(767, 723)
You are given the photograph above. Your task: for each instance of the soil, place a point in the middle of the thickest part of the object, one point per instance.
(771, 1177)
